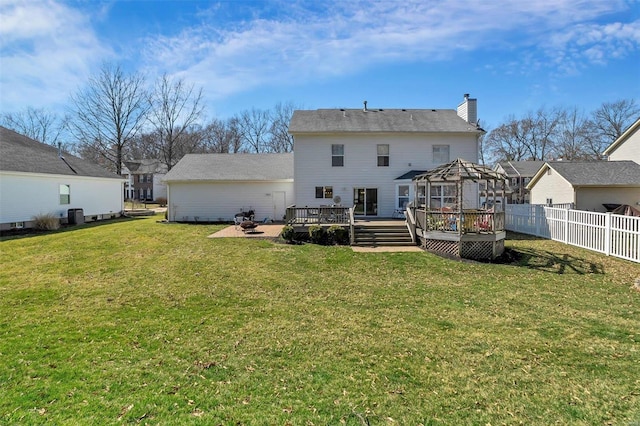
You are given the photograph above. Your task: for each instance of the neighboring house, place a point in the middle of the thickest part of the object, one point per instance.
(214, 187)
(37, 179)
(519, 174)
(367, 157)
(627, 146)
(144, 180)
(588, 185)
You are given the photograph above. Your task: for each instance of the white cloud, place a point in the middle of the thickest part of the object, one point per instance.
(348, 37)
(47, 49)
(594, 43)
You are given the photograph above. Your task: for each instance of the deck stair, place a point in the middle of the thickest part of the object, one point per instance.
(382, 233)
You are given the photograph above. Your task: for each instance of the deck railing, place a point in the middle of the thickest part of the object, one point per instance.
(321, 215)
(466, 221)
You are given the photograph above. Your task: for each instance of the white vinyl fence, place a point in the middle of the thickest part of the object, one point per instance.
(611, 234)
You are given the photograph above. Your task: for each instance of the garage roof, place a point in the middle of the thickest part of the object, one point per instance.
(232, 167)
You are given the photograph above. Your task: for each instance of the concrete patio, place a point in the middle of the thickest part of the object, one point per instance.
(262, 231)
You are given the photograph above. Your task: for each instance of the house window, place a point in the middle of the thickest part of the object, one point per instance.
(440, 154)
(337, 155)
(383, 155)
(403, 197)
(443, 196)
(550, 202)
(65, 194)
(324, 191)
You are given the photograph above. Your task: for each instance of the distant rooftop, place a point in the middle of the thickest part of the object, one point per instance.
(20, 153)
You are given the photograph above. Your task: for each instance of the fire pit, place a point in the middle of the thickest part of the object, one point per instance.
(248, 226)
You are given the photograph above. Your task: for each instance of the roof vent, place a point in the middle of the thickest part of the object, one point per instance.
(365, 106)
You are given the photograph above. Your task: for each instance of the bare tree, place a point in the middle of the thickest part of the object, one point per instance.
(221, 136)
(175, 108)
(38, 124)
(508, 141)
(608, 123)
(235, 138)
(143, 146)
(572, 136)
(109, 113)
(281, 140)
(254, 125)
(541, 127)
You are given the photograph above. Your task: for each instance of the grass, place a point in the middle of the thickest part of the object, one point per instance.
(133, 321)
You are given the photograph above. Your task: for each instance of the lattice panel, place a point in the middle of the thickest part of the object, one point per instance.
(477, 250)
(444, 247)
(482, 249)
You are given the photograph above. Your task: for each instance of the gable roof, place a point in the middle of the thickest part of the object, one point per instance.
(623, 137)
(593, 173)
(380, 120)
(232, 167)
(145, 166)
(521, 168)
(19, 153)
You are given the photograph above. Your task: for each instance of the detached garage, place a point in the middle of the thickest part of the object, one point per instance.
(214, 187)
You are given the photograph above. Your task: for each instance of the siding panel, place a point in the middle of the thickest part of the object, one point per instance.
(23, 196)
(220, 201)
(312, 165)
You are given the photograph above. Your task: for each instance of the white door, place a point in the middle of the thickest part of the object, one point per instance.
(279, 204)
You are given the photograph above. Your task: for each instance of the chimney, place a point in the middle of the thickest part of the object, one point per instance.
(468, 110)
(60, 149)
(365, 106)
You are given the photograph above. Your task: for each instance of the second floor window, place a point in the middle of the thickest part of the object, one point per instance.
(383, 155)
(337, 155)
(440, 154)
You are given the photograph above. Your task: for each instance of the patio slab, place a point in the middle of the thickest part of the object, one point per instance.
(262, 231)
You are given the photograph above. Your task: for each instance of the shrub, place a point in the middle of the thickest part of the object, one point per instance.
(336, 234)
(162, 201)
(317, 234)
(288, 234)
(46, 222)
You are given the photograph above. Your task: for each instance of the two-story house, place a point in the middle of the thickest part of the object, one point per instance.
(519, 174)
(144, 179)
(367, 157)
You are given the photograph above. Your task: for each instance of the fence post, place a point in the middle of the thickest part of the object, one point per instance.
(537, 214)
(607, 234)
(566, 226)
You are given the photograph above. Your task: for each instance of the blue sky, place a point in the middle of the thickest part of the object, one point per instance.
(514, 56)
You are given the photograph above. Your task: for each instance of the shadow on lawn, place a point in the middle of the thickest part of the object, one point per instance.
(548, 261)
(28, 233)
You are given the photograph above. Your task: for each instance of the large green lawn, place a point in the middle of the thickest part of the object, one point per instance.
(136, 321)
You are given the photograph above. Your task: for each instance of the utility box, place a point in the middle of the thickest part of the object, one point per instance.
(75, 216)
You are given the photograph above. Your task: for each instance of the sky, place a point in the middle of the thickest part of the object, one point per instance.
(514, 56)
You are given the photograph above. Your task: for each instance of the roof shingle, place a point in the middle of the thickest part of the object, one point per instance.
(598, 173)
(232, 167)
(379, 120)
(18, 153)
